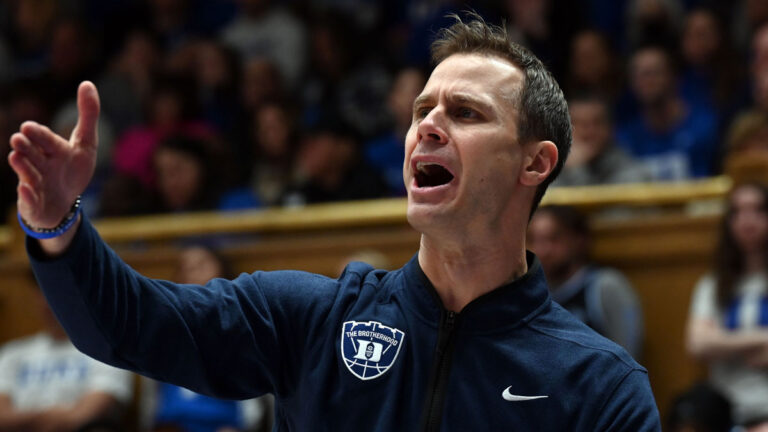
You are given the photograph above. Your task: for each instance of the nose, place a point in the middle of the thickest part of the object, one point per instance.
(431, 127)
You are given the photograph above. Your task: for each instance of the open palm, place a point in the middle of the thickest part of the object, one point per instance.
(53, 171)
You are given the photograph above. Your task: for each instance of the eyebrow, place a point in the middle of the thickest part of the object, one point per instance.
(462, 98)
(465, 98)
(420, 100)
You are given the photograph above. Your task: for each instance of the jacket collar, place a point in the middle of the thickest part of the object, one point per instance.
(507, 306)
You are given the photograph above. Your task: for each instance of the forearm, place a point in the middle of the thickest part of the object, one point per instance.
(708, 341)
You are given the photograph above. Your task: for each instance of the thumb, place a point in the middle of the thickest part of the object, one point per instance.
(88, 106)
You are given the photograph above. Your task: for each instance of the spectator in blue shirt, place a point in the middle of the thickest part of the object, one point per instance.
(675, 138)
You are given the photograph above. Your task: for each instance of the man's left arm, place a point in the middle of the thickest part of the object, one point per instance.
(630, 407)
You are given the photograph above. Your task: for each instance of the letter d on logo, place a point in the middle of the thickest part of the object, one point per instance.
(369, 348)
(370, 351)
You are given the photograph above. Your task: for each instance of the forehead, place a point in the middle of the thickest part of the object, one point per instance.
(747, 195)
(587, 108)
(480, 75)
(650, 58)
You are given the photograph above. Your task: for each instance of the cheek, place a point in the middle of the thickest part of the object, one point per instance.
(410, 141)
(410, 145)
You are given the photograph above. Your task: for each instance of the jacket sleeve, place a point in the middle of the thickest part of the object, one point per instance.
(222, 339)
(630, 407)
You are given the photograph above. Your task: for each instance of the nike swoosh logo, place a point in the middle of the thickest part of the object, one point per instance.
(517, 398)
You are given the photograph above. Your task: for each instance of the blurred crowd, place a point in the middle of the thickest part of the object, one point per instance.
(232, 104)
(247, 103)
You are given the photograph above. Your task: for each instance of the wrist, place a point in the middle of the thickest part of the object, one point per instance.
(69, 220)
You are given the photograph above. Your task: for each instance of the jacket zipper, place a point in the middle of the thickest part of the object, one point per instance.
(440, 372)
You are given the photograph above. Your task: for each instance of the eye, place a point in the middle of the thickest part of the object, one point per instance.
(467, 113)
(421, 112)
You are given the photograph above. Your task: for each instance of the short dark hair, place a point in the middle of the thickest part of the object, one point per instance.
(543, 111)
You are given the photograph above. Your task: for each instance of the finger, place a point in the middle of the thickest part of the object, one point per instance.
(24, 169)
(41, 136)
(27, 200)
(88, 107)
(21, 144)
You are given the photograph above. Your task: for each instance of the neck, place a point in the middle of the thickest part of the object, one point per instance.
(465, 270)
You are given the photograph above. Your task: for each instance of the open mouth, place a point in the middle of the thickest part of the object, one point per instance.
(431, 175)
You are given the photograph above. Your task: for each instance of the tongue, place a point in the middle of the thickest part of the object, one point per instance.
(434, 175)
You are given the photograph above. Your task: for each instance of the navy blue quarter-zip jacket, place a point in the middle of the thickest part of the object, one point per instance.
(370, 351)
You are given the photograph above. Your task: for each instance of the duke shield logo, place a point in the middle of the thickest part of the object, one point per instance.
(369, 348)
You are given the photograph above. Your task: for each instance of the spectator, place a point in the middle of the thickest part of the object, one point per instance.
(184, 181)
(46, 384)
(712, 74)
(170, 408)
(726, 327)
(328, 167)
(676, 139)
(71, 59)
(190, 176)
(127, 83)
(414, 23)
(345, 79)
(653, 22)
(749, 17)
(31, 23)
(601, 297)
(261, 82)
(748, 134)
(265, 30)
(745, 136)
(594, 157)
(216, 69)
(170, 21)
(593, 67)
(275, 138)
(169, 110)
(700, 409)
(386, 152)
(545, 27)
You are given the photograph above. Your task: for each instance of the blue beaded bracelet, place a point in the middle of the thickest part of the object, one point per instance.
(48, 233)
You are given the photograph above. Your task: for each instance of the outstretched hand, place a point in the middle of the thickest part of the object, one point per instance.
(53, 171)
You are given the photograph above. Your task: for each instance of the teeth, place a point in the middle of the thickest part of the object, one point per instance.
(421, 165)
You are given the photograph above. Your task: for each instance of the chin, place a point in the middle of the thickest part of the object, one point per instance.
(426, 217)
(419, 216)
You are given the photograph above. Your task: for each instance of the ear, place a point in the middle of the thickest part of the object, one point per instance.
(539, 160)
